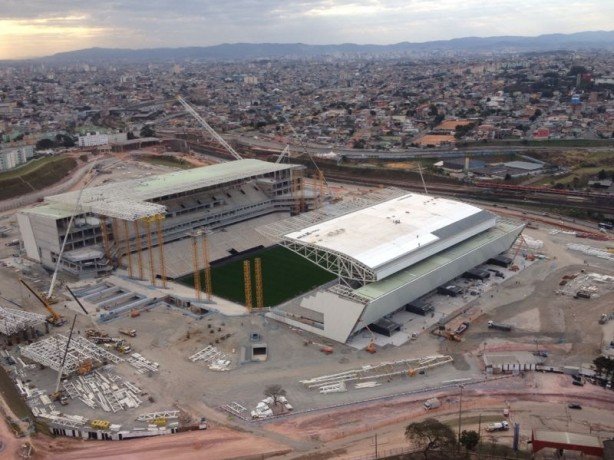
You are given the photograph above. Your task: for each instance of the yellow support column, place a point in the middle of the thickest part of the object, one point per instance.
(127, 245)
(259, 290)
(159, 219)
(208, 286)
(197, 290)
(247, 279)
(139, 248)
(152, 275)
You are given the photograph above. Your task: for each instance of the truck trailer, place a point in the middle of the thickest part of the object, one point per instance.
(500, 326)
(498, 426)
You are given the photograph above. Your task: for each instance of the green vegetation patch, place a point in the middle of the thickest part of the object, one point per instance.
(284, 275)
(35, 175)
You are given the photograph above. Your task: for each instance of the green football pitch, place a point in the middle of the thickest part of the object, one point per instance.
(284, 275)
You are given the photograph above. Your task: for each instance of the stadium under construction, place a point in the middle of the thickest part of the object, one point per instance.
(386, 247)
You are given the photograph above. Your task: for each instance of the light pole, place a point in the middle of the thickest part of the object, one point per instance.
(460, 412)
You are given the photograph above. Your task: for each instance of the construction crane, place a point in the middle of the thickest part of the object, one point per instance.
(57, 394)
(54, 317)
(208, 128)
(68, 227)
(285, 152)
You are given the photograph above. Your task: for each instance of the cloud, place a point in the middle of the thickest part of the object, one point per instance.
(42, 27)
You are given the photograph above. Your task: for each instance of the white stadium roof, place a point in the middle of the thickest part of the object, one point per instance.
(377, 241)
(129, 199)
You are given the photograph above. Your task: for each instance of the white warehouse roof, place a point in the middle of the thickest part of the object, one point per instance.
(397, 233)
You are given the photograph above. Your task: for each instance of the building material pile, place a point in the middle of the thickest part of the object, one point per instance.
(142, 364)
(215, 359)
(109, 392)
(50, 351)
(370, 374)
(150, 417)
(591, 251)
(13, 321)
(590, 284)
(265, 407)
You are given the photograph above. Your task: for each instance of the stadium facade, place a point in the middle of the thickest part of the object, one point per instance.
(388, 249)
(108, 224)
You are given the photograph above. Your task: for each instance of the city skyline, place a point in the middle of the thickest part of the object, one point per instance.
(32, 28)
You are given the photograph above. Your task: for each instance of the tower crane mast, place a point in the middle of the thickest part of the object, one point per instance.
(208, 128)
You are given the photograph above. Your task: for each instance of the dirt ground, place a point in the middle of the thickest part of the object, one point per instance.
(218, 443)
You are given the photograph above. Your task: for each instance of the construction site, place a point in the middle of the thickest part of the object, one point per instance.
(149, 301)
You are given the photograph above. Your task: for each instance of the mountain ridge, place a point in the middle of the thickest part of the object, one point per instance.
(244, 51)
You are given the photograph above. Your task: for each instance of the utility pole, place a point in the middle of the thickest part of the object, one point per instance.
(460, 412)
(375, 446)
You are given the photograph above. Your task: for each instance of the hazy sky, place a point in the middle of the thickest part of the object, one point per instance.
(41, 27)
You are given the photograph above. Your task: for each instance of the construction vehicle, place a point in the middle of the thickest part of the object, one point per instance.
(461, 328)
(372, 347)
(604, 318)
(54, 317)
(498, 426)
(123, 347)
(160, 421)
(499, 326)
(128, 332)
(134, 313)
(89, 333)
(443, 332)
(100, 424)
(326, 349)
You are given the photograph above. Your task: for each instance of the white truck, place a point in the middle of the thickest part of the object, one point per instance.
(432, 403)
(498, 426)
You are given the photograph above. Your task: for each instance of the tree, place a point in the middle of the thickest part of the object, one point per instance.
(275, 392)
(469, 439)
(429, 435)
(45, 144)
(147, 131)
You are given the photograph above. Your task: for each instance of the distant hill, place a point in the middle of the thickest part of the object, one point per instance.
(242, 51)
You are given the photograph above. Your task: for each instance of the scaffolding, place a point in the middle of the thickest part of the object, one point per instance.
(13, 321)
(259, 289)
(247, 279)
(197, 287)
(207, 266)
(50, 351)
